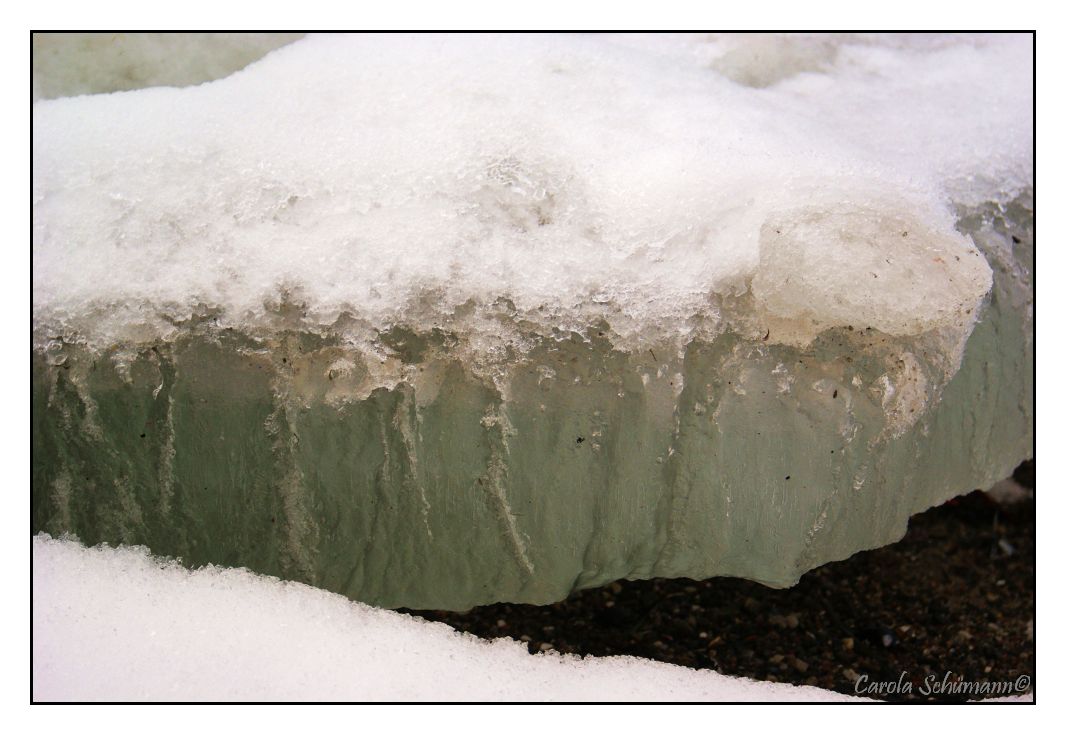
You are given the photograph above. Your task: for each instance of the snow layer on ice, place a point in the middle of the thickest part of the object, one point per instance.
(646, 181)
(117, 624)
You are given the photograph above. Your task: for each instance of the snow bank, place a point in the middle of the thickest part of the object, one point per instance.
(363, 182)
(116, 624)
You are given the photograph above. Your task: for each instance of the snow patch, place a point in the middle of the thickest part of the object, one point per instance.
(117, 624)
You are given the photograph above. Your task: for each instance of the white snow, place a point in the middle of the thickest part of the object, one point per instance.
(117, 624)
(448, 180)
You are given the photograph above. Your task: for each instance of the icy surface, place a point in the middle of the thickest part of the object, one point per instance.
(668, 187)
(116, 624)
(67, 64)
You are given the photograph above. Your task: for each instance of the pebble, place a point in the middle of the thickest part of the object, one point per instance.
(888, 638)
(501, 623)
(546, 647)
(799, 664)
(850, 675)
(849, 644)
(784, 621)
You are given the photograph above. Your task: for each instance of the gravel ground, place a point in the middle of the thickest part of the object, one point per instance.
(954, 598)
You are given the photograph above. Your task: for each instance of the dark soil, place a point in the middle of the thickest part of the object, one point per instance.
(954, 598)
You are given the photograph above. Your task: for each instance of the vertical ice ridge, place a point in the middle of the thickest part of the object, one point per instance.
(129, 519)
(166, 459)
(403, 421)
(90, 423)
(167, 450)
(495, 480)
(300, 528)
(61, 497)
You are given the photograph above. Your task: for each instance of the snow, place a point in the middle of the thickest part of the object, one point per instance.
(118, 624)
(671, 186)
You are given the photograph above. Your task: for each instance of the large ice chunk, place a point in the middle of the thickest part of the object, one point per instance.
(444, 320)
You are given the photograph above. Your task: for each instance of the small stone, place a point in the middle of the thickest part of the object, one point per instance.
(525, 638)
(703, 634)
(792, 621)
(501, 623)
(777, 658)
(799, 665)
(850, 675)
(888, 638)
(849, 644)
(546, 647)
